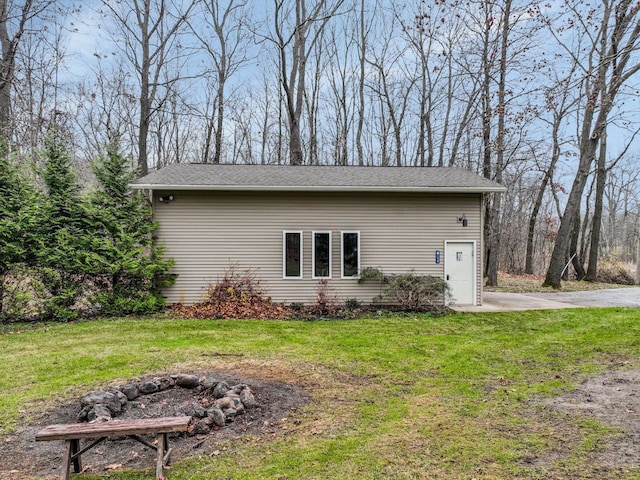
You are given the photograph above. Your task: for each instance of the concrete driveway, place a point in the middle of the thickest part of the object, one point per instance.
(507, 302)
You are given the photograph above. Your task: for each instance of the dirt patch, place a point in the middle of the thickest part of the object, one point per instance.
(614, 399)
(22, 457)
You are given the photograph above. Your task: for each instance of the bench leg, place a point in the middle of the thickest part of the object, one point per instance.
(160, 459)
(66, 460)
(167, 451)
(71, 449)
(77, 461)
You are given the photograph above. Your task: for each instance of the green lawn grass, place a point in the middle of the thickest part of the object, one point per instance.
(392, 397)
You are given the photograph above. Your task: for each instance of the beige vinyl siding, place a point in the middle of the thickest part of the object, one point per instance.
(207, 232)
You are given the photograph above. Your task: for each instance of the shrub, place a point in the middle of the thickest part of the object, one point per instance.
(352, 303)
(114, 304)
(296, 306)
(616, 273)
(408, 290)
(237, 295)
(21, 292)
(326, 302)
(416, 292)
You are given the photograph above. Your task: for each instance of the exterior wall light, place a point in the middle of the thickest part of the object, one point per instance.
(463, 220)
(166, 198)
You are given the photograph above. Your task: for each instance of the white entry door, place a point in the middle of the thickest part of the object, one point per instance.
(460, 271)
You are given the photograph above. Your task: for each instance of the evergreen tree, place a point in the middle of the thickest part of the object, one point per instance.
(61, 239)
(16, 219)
(126, 264)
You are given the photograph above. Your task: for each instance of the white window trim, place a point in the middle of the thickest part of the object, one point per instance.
(313, 254)
(284, 254)
(342, 232)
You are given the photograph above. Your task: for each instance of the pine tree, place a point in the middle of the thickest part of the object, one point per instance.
(61, 240)
(17, 220)
(126, 264)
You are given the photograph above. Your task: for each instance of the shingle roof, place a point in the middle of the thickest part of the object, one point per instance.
(193, 176)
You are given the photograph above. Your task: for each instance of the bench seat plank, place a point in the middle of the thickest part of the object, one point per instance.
(72, 433)
(113, 428)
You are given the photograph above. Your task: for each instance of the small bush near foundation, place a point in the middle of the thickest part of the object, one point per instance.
(237, 295)
(409, 291)
(296, 306)
(352, 303)
(416, 292)
(326, 302)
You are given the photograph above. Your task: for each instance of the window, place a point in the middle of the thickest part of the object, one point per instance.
(321, 254)
(350, 254)
(292, 254)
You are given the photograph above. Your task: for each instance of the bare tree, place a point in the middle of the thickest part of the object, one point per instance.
(610, 62)
(559, 103)
(294, 42)
(14, 18)
(147, 30)
(227, 48)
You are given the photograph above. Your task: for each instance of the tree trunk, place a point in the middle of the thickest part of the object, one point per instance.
(596, 224)
(494, 238)
(563, 239)
(143, 135)
(222, 76)
(533, 219)
(295, 144)
(574, 254)
(638, 263)
(9, 46)
(361, 80)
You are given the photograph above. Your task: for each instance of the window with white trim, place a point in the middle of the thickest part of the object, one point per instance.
(292, 254)
(321, 252)
(350, 254)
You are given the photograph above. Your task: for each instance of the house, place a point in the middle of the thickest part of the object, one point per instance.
(297, 225)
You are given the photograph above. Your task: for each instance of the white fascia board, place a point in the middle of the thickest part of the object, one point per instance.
(315, 188)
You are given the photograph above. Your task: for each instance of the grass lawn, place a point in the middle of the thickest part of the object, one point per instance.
(456, 397)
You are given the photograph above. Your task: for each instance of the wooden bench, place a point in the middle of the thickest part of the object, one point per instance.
(72, 433)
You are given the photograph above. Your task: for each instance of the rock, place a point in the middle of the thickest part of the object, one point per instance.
(130, 390)
(107, 399)
(82, 415)
(148, 387)
(209, 421)
(201, 428)
(220, 389)
(186, 409)
(185, 380)
(217, 416)
(224, 403)
(229, 414)
(238, 388)
(164, 383)
(122, 398)
(247, 398)
(192, 409)
(209, 382)
(99, 413)
(232, 394)
(200, 411)
(239, 407)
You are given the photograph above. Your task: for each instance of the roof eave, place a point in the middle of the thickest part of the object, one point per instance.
(315, 188)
